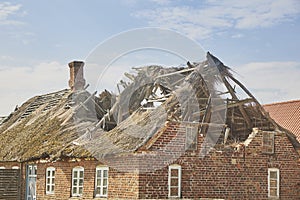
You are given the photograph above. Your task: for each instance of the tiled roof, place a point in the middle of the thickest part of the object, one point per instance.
(286, 114)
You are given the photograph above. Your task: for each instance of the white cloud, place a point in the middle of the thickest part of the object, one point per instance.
(161, 2)
(213, 16)
(5, 58)
(6, 11)
(18, 84)
(271, 81)
(238, 35)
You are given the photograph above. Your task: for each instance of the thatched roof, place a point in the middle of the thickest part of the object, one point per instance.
(2, 119)
(41, 128)
(79, 124)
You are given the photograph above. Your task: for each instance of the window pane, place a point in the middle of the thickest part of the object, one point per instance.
(80, 190)
(53, 173)
(98, 190)
(105, 173)
(98, 173)
(273, 175)
(48, 173)
(174, 192)
(98, 182)
(80, 182)
(75, 181)
(174, 181)
(273, 192)
(52, 180)
(104, 182)
(74, 190)
(104, 191)
(273, 183)
(81, 174)
(75, 174)
(48, 188)
(52, 188)
(174, 172)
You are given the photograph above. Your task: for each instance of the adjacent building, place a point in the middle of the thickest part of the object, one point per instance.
(287, 114)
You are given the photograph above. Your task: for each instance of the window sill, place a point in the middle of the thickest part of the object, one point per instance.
(273, 198)
(76, 197)
(100, 197)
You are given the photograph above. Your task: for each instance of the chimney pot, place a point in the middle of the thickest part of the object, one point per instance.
(77, 81)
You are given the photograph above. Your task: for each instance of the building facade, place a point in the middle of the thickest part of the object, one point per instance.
(66, 145)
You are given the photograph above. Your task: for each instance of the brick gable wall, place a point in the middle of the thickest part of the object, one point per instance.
(226, 174)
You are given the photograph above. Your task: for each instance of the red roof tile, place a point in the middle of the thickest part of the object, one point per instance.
(286, 114)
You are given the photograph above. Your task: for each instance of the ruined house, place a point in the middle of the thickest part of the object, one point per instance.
(178, 132)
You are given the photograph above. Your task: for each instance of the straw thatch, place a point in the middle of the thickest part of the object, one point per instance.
(79, 124)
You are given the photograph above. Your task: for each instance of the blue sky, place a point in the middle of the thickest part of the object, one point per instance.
(258, 39)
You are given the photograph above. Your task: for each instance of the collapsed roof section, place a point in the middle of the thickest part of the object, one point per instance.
(76, 123)
(203, 93)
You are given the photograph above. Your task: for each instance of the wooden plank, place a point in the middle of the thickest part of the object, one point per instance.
(244, 113)
(9, 184)
(177, 72)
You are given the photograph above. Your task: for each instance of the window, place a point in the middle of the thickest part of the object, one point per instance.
(50, 176)
(273, 182)
(101, 182)
(268, 142)
(77, 181)
(174, 181)
(31, 176)
(191, 138)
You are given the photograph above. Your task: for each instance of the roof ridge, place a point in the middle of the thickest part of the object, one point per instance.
(58, 91)
(282, 102)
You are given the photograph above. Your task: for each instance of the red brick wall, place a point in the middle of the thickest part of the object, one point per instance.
(121, 185)
(63, 179)
(9, 165)
(226, 173)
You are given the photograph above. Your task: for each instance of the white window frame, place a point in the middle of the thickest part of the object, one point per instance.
(15, 167)
(77, 186)
(269, 181)
(51, 179)
(101, 186)
(174, 167)
(191, 139)
(268, 142)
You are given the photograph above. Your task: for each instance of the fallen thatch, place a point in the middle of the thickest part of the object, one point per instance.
(80, 124)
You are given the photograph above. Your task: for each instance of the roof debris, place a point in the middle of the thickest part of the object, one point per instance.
(80, 124)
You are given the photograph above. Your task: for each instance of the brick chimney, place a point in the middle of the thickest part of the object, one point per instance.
(77, 81)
